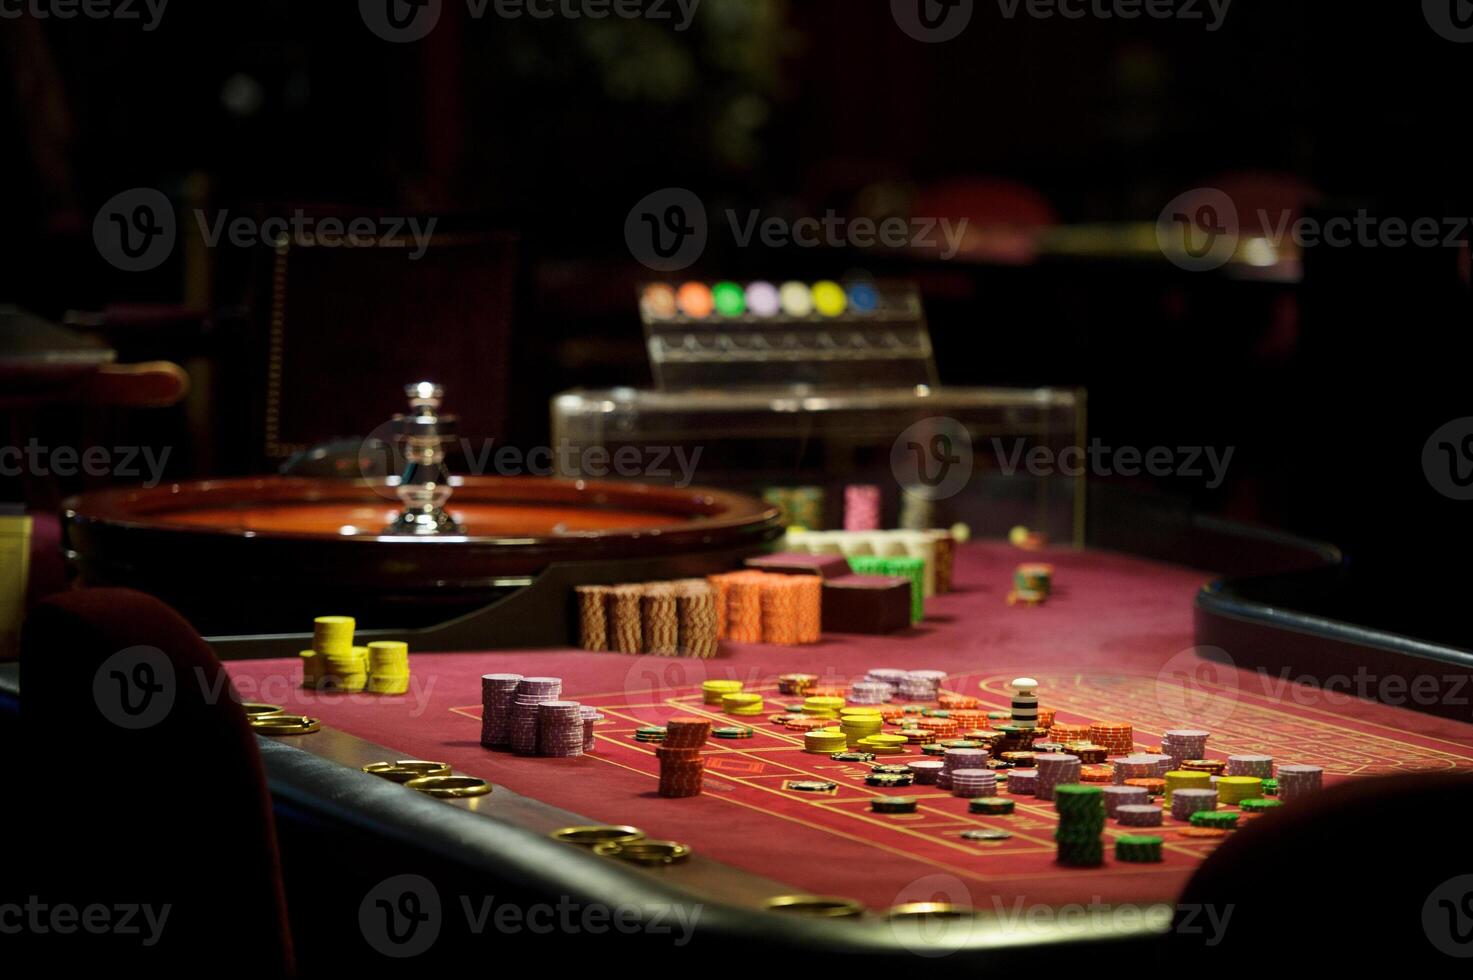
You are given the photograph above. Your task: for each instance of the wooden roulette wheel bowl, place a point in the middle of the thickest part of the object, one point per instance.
(264, 555)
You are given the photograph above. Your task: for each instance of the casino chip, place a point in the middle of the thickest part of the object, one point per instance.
(892, 769)
(985, 835)
(1258, 805)
(650, 733)
(991, 805)
(731, 731)
(889, 780)
(812, 786)
(1138, 848)
(893, 804)
(853, 757)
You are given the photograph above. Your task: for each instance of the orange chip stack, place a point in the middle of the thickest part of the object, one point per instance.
(660, 620)
(949, 699)
(828, 691)
(626, 632)
(1117, 737)
(780, 608)
(1096, 774)
(681, 765)
(810, 607)
(1045, 717)
(593, 617)
(1064, 734)
(969, 718)
(892, 714)
(744, 607)
(721, 586)
(695, 608)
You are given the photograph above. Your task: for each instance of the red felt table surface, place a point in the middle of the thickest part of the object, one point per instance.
(1114, 643)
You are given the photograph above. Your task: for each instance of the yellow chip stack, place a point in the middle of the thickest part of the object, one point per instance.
(314, 668)
(859, 726)
(713, 691)
(335, 663)
(883, 744)
(742, 704)
(824, 741)
(333, 634)
(818, 704)
(1186, 779)
(1231, 790)
(388, 667)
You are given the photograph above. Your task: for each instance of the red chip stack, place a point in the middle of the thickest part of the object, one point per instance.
(681, 765)
(1117, 737)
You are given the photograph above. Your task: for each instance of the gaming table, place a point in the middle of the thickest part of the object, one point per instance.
(1116, 641)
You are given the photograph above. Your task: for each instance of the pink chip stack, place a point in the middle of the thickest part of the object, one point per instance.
(1138, 815)
(1022, 782)
(972, 783)
(497, 691)
(591, 718)
(869, 692)
(560, 729)
(927, 771)
(1261, 766)
(1184, 743)
(1297, 782)
(1139, 766)
(861, 507)
(955, 759)
(1185, 802)
(1118, 796)
(1054, 769)
(530, 694)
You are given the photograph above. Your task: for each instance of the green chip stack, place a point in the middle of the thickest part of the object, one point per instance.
(805, 507)
(1258, 805)
(1081, 825)
(1270, 787)
(1138, 849)
(905, 567)
(1221, 819)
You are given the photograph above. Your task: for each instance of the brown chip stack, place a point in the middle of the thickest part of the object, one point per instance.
(695, 606)
(593, 617)
(661, 624)
(945, 559)
(626, 633)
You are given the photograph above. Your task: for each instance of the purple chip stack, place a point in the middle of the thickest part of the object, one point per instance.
(869, 692)
(1296, 782)
(560, 729)
(927, 771)
(1138, 815)
(1261, 766)
(887, 675)
(1118, 796)
(1054, 769)
(1185, 802)
(922, 685)
(497, 691)
(1140, 766)
(1184, 743)
(531, 692)
(591, 717)
(972, 783)
(1022, 782)
(955, 759)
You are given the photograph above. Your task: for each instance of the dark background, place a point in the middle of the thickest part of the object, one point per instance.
(1328, 385)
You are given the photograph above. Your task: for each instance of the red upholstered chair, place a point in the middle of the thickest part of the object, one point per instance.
(1343, 876)
(147, 788)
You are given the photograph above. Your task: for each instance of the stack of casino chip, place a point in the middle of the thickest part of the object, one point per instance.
(857, 727)
(869, 692)
(1231, 790)
(334, 663)
(593, 617)
(945, 559)
(1117, 737)
(791, 608)
(681, 765)
(824, 741)
(1055, 769)
(625, 612)
(805, 507)
(743, 606)
(1261, 766)
(1252, 806)
(659, 621)
(560, 729)
(695, 610)
(1023, 782)
(901, 567)
(955, 759)
(1064, 733)
(1118, 796)
(822, 705)
(531, 692)
(887, 675)
(1184, 743)
(1081, 825)
(861, 507)
(1178, 779)
(388, 667)
(1032, 584)
(742, 703)
(1138, 815)
(921, 685)
(917, 512)
(714, 690)
(1296, 782)
(973, 783)
(926, 771)
(590, 718)
(1133, 767)
(1137, 849)
(497, 694)
(1185, 802)
(796, 684)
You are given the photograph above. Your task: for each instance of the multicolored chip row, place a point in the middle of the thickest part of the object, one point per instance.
(760, 300)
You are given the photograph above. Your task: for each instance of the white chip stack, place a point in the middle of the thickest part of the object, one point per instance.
(1184, 743)
(972, 783)
(1297, 782)
(497, 692)
(1261, 766)
(1054, 769)
(1185, 802)
(1118, 796)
